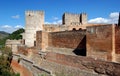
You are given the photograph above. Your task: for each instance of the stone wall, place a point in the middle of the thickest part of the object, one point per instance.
(99, 42)
(39, 39)
(42, 40)
(13, 44)
(75, 40)
(55, 63)
(86, 64)
(117, 43)
(78, 19)
(117, 40)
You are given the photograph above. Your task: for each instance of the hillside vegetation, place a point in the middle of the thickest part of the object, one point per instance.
(3, 34)
(5, 61)
(15, 35)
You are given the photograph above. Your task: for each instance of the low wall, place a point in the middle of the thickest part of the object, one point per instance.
(13, 44)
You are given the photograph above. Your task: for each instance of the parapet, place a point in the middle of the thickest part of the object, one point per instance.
(34, 12)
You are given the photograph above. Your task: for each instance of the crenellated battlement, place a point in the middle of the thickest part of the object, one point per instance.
(34, 12)
(71, 18)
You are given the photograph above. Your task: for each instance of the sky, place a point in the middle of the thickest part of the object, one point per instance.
(12, 12)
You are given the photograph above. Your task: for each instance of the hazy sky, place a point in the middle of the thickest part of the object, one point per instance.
(99, 11)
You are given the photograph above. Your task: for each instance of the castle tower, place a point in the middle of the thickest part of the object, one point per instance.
(83, 18)
(69, 18)
(34, 22)
(74, 19)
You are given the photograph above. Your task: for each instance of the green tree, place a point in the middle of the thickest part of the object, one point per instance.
(16, 34)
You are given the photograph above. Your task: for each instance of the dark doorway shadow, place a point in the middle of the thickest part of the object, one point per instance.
(81, 48)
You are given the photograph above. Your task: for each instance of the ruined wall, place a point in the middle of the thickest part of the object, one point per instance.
(55, 63)
(85, 63)
(99, 42)
(13, 44)
(75, 40)
(117, 43)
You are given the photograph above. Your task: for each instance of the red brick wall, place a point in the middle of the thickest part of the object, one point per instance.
(117, 40)
(39, 39)
(99, 42)
(68, 39)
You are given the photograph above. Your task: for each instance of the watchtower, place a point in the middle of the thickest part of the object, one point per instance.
(74, 19)
(34, 22)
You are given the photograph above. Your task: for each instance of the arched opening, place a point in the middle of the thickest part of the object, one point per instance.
(74, 29)
(80, 28)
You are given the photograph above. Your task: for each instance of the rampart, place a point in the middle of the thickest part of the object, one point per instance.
(103, 42)
(99, 42)
(67, 42)
(74, 40)
(54, 64)
(117, 43)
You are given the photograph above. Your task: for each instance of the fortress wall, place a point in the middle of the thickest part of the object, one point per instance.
(39, 39)
(99, 42)
(52, 63)
(117, 40)
(86, 64)
(75, 40)
(42, 40)
(51, 27)
(117, 43)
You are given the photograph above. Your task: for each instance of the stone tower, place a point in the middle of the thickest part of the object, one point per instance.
(34, 22)
(83, 18)
(69, 18)
(74, 19)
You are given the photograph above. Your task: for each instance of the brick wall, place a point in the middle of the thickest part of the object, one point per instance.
(117, 40)
(99, 42)
(69, 39)
(39, 39)
(117, 44)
